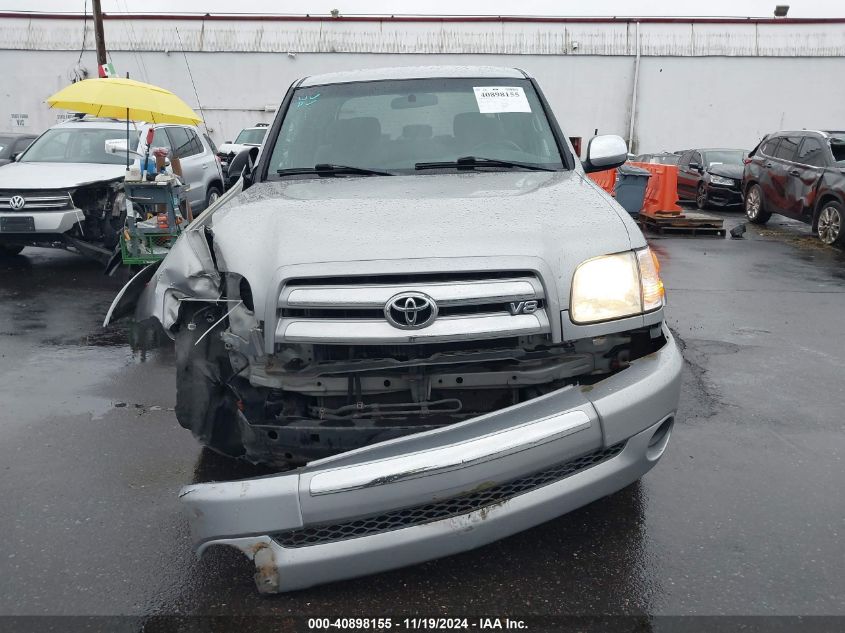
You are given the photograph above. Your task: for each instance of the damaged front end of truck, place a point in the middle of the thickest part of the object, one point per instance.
(411, 413)
(437, 338)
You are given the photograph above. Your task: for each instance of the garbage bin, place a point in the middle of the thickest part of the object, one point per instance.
(631, 183)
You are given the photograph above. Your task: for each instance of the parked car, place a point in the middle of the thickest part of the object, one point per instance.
(799, 175)
(66, 190)
(662, 158)
(12, 144)
(416, 304)
(247, 138)
(711, 176)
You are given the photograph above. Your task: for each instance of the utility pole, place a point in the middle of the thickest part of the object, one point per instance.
(99, 38)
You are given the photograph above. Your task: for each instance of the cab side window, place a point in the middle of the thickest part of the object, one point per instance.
(811, 152)
(696, 159)
(185, 142)
(160, 139)
(770, 147)
(683, 163)
(788, 147)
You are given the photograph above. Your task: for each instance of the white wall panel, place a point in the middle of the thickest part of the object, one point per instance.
(684, 100)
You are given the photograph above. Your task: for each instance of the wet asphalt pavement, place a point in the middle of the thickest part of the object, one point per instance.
(745, 514)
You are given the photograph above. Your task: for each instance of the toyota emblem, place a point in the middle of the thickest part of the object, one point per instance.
(410, 310)
(16, 203)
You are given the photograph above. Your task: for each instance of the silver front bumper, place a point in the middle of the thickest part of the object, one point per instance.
(48, 222)
(399, 502)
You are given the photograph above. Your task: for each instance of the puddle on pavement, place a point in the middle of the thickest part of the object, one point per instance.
(140, 338)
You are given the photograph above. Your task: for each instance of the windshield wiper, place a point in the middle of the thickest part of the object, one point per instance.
(326, 169)
(470, 162)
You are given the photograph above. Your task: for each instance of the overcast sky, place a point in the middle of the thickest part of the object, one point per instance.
(685, 8)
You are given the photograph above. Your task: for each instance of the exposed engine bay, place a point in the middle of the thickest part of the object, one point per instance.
(104, 208)
(308, 401)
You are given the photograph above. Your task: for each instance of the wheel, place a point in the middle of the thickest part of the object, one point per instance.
(205, 404)
(701, 196)
(755, 208)
(212, 195)
(830, 224)
(9, 250)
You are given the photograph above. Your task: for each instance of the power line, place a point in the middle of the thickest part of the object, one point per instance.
(196, 94)
(84, 29)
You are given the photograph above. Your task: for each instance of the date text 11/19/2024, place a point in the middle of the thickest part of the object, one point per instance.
(413, 624)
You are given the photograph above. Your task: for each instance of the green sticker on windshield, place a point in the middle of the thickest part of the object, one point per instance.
(304, 101)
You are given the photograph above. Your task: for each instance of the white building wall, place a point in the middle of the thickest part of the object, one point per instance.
(687, 96)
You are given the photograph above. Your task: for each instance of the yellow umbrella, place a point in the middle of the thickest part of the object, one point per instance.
(119, 98)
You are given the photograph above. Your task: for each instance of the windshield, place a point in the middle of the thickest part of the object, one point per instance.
(724, 157)
(251, 137)
(77, 145)
(393, 125)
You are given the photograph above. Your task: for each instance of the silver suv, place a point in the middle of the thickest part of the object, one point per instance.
(66, 190)
(417, 306)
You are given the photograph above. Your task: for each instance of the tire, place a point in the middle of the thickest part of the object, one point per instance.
(831, 224)
(701, 196)
(205, 405)
(10, 250)
(211, 195)
(755, 207)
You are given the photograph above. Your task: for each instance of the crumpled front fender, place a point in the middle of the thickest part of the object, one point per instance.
(188, 272)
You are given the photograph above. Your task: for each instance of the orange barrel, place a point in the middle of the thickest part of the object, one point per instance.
(605, 179)
(661, 194)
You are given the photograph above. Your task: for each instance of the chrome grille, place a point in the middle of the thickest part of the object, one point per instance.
(447, 508)
(350, 312)
(36, 200)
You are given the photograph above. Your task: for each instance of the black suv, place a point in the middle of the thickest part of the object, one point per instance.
(711, 176)
(799, 175)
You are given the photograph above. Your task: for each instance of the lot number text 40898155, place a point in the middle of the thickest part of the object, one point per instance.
(416, 624)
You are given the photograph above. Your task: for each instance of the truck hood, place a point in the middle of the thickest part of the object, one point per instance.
(561, 218)
(56, 175)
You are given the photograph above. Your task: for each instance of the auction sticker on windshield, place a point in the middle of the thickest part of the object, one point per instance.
(495, 99)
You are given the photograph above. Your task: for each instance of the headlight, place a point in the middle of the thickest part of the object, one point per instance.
(616, 286)
(721, 180)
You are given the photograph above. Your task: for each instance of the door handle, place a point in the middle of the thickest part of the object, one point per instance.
(794, 172)
(767, 165)
(205, 165)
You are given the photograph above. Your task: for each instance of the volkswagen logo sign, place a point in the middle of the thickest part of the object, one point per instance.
(16, 203)
(410, 310)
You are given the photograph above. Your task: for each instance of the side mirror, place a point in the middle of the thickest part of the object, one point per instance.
(695, 166)
(242, 166)
(605, 152)
(14, 157)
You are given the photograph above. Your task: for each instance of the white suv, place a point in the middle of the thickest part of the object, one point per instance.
(66, 190)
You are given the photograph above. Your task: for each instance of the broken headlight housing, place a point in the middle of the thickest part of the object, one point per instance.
(721, 180)
(616, 286)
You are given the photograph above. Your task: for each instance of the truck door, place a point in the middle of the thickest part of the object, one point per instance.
(777, 171)
(803, 177)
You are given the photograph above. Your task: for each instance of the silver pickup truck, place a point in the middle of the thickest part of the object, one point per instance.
(419, 309)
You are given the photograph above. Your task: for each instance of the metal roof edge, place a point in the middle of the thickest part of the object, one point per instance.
(241, 17)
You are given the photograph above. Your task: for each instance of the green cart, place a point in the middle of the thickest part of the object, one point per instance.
(154, 219)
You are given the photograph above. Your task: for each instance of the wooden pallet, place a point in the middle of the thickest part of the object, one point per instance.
(683, 223)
